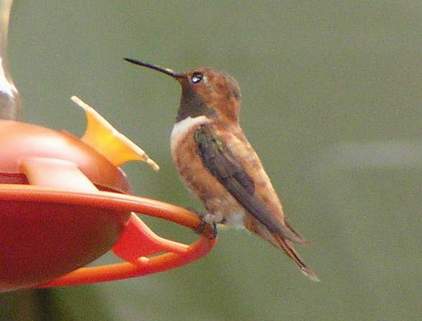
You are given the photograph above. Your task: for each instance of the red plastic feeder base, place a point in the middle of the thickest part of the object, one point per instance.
(46, 233)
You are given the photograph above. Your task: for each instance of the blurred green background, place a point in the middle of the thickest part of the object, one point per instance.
(332, 94)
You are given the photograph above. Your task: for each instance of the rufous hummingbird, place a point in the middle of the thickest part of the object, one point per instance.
(218, 164)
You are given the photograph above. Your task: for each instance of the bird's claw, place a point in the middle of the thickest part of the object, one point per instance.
(207, 229)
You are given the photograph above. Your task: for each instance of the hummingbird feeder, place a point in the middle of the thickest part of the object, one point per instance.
(64, 202)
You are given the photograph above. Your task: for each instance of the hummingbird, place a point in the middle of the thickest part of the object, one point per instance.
(218, 164)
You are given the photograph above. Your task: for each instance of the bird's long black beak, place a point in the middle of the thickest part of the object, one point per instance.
(166, 71)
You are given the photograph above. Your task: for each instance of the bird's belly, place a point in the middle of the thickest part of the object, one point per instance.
(216, 199)
(225, 210)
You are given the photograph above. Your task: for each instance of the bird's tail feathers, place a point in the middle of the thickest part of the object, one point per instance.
(284, 243)
(299, 237)
(287, 232)
(287, 247)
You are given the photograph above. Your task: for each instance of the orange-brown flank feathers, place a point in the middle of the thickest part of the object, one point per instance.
(219, 202)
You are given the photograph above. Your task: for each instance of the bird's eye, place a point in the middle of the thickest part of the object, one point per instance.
(196, 77)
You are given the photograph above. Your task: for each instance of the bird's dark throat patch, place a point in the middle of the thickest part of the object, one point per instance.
(192, 105)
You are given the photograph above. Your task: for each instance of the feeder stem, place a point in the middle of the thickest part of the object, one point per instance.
(9, 96)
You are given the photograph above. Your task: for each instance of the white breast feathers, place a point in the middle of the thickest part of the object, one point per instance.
(181, 128)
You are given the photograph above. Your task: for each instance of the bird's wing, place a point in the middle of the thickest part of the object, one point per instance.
(221, 163)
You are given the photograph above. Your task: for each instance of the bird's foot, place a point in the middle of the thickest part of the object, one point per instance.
(207, 229)
(208, 226)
